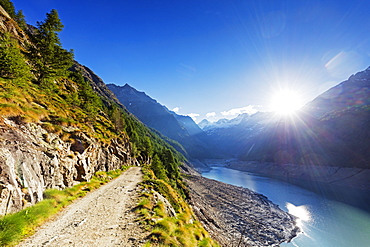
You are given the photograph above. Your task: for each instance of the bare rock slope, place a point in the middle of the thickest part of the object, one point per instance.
(33, 159)
(236, 216)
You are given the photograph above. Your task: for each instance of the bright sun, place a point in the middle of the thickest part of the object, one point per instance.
(286, 102)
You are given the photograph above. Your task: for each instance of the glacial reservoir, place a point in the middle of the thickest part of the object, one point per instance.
(324, 222)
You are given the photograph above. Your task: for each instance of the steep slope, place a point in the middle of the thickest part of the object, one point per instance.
(97, 84)
(333, 129)
(59, 131)
(59, 126)
(179, 128)
(352, 93)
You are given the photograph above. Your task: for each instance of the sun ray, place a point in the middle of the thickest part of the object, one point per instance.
(286, 102)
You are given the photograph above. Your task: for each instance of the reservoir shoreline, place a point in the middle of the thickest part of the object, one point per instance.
(237, 216)
(343, 184)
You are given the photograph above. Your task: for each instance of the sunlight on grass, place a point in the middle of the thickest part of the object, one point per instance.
(15, 227)
(180, 230)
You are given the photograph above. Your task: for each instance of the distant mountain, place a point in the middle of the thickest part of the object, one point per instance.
(179, 128)
(232, 136)
(222, 123)
(333, 130)
(353, 92)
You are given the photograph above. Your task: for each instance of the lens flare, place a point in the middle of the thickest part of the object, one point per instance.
(286, 102)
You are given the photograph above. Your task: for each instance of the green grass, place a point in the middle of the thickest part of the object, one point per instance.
(15, 227)
(182, 230)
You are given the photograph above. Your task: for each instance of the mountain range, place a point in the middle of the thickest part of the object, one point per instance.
(332, 129)
(176, 127)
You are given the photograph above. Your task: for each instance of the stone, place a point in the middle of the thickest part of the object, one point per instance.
(28, 163)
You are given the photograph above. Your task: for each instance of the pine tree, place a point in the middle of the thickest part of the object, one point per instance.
(87, 97)
(19, 18)
(50, 60)
(12, 61)
(170, 164)
(158, 169)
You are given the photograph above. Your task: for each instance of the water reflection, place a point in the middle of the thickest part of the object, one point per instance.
(301, 212)
(324, 223)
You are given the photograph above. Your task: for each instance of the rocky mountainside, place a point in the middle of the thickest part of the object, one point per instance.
(59, 131)
(332, 130)
(350, 94)
(179, 128)
(32, 159)
(7, 24)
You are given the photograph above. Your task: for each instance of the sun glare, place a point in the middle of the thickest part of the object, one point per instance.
(301, 212)
(286, 102)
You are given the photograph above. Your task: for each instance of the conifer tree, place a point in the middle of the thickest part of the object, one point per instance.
(87, 97)
(157, 167)
(50, 60)
(12, 62)
(170, 164)
(19, 18)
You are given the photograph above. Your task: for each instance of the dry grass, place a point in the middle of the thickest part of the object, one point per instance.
(182, 230)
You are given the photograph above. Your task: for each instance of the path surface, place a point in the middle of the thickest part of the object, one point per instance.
(104, 217)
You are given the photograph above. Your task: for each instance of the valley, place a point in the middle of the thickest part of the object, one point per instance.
(65, 132)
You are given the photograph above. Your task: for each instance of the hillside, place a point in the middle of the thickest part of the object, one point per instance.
(60, 126)
(179, 128)
(332, 130)
(68, 122)
(63, 133)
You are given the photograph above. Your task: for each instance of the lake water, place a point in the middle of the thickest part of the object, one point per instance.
(325, 223)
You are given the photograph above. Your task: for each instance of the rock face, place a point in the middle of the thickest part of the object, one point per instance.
(33, 159)
(7, 24)
(236, 216)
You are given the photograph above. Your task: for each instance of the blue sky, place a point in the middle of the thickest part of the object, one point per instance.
(215, 57)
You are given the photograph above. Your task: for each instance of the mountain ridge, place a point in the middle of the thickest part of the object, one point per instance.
(179, 128)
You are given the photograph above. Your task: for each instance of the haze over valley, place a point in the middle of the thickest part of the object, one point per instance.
(186, 123)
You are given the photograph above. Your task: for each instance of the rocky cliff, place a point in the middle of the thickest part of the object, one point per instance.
(33, 159)
(7, 24)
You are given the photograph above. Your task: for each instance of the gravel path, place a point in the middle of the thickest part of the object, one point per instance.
(104, 217)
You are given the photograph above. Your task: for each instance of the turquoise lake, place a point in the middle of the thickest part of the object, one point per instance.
(324, 222)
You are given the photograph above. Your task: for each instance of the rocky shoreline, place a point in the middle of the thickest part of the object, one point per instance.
(352, 184)
(236, 216)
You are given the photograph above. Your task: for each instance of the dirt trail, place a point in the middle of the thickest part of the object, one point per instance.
(104, 217)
